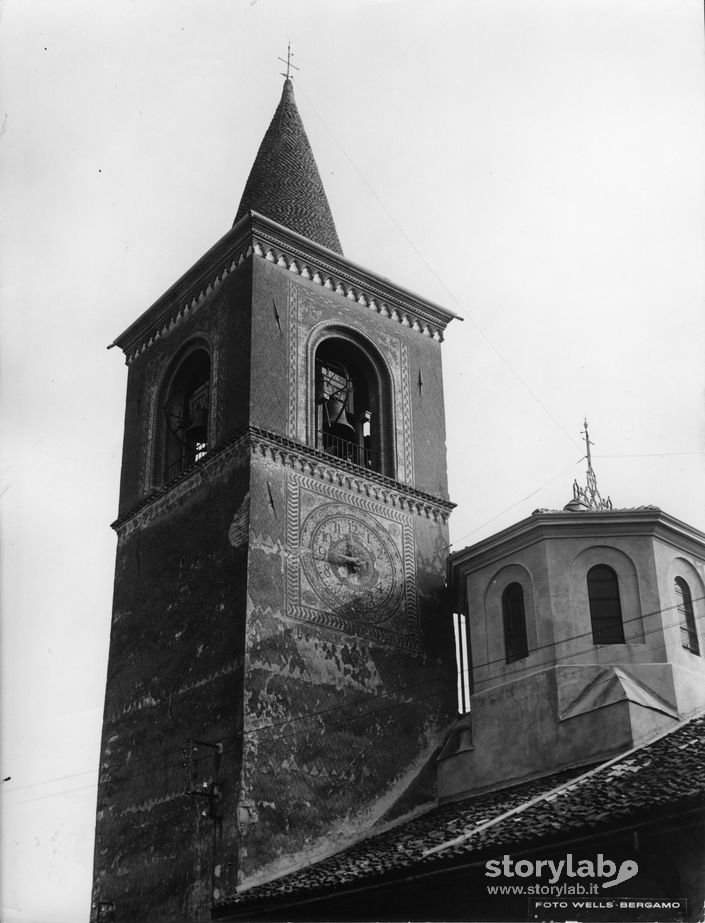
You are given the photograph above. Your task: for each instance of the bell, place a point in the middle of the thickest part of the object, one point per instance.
(337, 418)
(198, 425)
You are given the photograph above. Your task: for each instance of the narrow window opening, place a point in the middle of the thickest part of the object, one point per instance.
(605, 606)
(516, 645)
(186, 413)
(686, 613)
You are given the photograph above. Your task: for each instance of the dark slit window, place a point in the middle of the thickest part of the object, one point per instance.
(515, 642)
(684, 602)
(605, 607)
(186, 411)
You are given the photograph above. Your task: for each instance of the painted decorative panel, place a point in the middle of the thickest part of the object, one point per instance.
(351, 563)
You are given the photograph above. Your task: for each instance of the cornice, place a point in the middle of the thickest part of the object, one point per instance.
(174, 492)
(293, 455)
(350, 477)
(353, 281)
(257, 236)
(546, 525)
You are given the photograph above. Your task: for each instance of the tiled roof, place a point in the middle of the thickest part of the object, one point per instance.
(659, 776)
(613, 509)
(284, 183)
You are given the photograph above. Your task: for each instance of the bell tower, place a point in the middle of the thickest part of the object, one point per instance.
(280, 667)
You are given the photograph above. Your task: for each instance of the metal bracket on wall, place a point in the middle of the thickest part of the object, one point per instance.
(209, 789)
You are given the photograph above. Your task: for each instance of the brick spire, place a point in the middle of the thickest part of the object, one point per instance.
(284, 183)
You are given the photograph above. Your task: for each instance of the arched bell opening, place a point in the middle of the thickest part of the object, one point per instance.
(185, 411)
(352, 407)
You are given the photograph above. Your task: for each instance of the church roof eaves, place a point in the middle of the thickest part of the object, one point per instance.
(542, 524)
(257, 235)
(634, 788)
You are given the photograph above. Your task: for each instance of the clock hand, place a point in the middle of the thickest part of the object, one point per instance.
(338, 558)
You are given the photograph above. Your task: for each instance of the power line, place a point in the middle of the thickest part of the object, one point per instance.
(70, 775)
(651, 455)
(264, 742)
(242, 734)
(518, 502)
(430, 268)
(588, 634)
(361, 715)
(555, 478)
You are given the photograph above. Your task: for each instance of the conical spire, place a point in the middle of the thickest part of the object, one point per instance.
(284, 183)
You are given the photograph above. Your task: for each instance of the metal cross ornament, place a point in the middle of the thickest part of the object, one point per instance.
(590, 495)
(289, 65)
(588, 442)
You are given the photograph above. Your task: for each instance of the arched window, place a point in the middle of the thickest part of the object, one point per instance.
(185, 408)
(684, 601)
(605, 608)
(352, 405)
(516, 646)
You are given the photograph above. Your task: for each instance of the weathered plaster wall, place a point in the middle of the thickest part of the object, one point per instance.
(288, 316)
(325, 707)
(553, 574)
(340, 702)
(672, 562)
(427, 410)
(571, 701)
(221, 323)
(556, 718)
(486, 628)
(175, 671)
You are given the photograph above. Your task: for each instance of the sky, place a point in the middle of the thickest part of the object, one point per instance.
(534, 165)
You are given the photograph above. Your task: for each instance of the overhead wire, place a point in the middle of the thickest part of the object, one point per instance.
(391, 692)
(531, 392)
(268, 741)
(518, 502)
(588, 634)
(272, 725)
(430, 268)
(469, 315)
(650, 455)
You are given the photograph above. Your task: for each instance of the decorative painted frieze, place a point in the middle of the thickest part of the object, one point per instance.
(295, 456)
(258, 237)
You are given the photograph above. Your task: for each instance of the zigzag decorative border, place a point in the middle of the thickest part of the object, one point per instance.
(406, 412)
(295, 456)
(292, 584)
(408, 637)
(349, 477)
(293, 347)
(171, 495)
(269, 246)
(412, 603)
(345, 495)
(327, 619)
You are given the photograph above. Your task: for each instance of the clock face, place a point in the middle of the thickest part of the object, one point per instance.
(352, 561)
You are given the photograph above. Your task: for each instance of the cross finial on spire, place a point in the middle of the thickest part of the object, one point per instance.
(589, 495)
(289, 65)
(588, 443)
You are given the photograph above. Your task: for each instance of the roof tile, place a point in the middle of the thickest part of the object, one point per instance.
(284, 183)
(669, 771)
